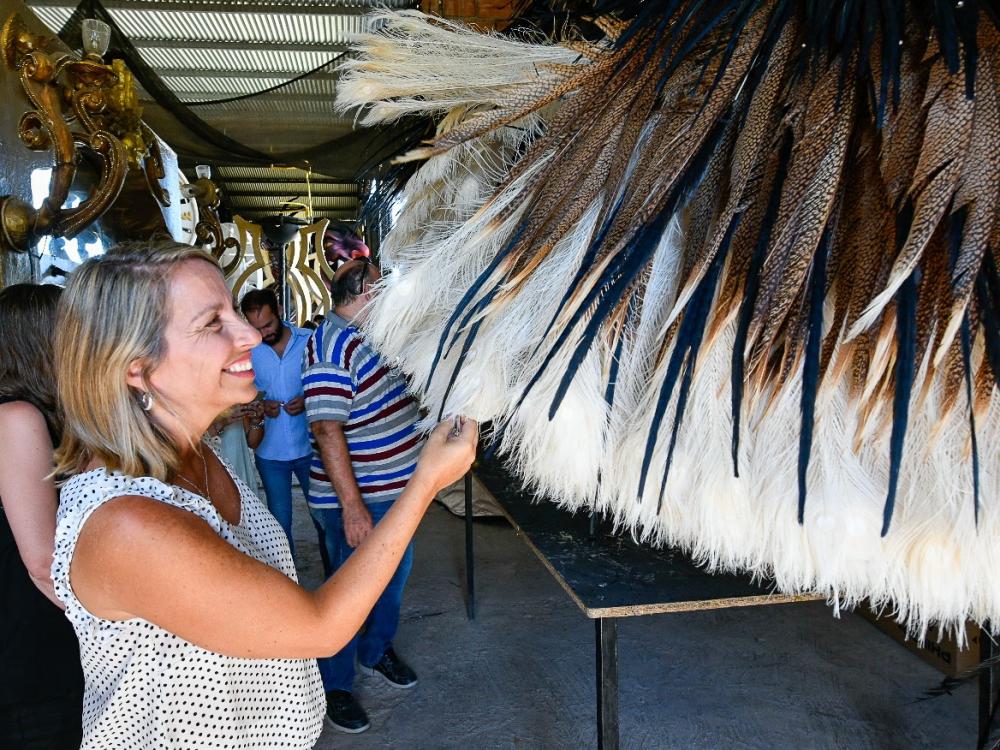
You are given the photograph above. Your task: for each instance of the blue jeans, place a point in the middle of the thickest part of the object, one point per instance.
(276, 476)
(377, 633)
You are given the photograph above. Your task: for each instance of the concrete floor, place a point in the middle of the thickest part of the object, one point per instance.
(522, 674)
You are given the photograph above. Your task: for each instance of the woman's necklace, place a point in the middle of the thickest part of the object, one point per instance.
(207, 493)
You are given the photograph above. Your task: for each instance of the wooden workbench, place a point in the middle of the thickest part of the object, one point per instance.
(611, 576)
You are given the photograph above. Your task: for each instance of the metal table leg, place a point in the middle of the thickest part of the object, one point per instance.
(607, 683)
(470, 560)
(987, 688)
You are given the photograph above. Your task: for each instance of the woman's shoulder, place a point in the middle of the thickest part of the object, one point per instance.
(97, 485)
(84, 493)
(20, 414)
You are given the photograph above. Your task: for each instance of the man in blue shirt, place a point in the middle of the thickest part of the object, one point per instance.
(277, 365)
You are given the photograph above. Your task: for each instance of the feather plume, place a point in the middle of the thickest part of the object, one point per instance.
(756, 228)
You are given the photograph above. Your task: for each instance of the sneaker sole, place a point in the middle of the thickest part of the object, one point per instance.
(375, 673)
(345, 730)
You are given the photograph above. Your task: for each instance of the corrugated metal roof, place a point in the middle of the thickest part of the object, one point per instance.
(228, 84)
(291, 188)
(348, 216)
(275, 173)
(324, 27)
(270, 47)
(272, 202)
(291, 63)
(54, 18)
(212, 49)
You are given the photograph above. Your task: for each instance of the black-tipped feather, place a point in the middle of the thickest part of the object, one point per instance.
(697, 318)
(906, 350)
(810, 365)
(470, 294)
(988, 293)
(967, 366)
(750, 293)
(956, 230)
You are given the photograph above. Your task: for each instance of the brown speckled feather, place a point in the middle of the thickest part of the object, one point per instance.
(979, 189)
(819, 156)
(904, 125)
(942, 157)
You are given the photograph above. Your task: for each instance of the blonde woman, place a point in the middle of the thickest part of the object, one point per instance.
(180, 585)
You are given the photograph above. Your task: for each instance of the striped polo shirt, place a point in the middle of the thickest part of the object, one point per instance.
(345, 381)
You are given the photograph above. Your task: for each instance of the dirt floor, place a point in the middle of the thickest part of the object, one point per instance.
(522, 674)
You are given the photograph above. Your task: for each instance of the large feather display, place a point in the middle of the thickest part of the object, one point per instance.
(729, 274)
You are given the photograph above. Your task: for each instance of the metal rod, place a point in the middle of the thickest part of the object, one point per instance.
(470, 560)
(283, 296)
(607, 683)
(987, 686)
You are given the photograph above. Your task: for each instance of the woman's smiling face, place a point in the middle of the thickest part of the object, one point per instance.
(206, 366)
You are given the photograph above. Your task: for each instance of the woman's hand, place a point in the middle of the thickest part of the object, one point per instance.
(449, 452)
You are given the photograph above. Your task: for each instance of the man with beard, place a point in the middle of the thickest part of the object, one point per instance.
(277, 365)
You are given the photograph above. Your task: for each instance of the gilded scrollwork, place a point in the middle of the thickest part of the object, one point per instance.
(306, 266)
(307, 271)
(101, 100)
(250, 237)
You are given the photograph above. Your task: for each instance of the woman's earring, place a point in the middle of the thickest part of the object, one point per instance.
(146, 401)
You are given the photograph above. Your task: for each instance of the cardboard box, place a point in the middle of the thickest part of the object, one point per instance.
(943, 654)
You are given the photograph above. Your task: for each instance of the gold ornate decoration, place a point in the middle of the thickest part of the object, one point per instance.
(307, 272)
(251, 239)
(100, 101)
(306, 266)
(208, 230)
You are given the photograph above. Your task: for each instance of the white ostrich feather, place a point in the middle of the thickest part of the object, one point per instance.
(413, 52)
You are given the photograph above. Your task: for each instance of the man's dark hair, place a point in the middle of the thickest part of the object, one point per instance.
(350, 284)
(258, 299)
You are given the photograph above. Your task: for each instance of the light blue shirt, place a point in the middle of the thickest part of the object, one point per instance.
(286, 438)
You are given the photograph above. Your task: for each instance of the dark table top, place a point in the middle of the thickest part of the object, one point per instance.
(610, 575)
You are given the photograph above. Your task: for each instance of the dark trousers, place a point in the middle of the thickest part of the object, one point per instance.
(378, 631)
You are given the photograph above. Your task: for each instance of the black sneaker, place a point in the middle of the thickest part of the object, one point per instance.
(392, 669)
(345, 713)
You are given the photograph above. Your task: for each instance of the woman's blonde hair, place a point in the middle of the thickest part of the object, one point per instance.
(115, 311)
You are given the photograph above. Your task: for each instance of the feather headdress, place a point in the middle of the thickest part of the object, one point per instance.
(729, 274)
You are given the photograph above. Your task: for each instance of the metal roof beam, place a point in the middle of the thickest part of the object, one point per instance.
(344, 185)
(339, 215)
(266, 202)
(266, 192)
(238, 45)
(204, 98)
(249, 75)
(274, 7)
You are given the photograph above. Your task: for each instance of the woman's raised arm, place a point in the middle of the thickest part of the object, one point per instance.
(137, 557)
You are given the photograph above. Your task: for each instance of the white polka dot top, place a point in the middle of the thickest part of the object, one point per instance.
(147, 688)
